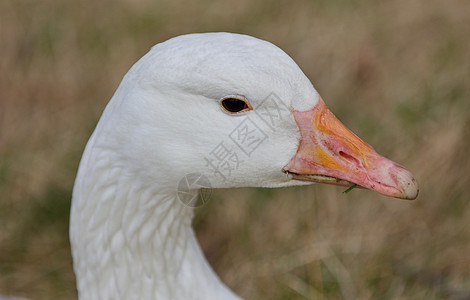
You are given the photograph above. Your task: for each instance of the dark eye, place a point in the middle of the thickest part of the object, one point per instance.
(235, 105)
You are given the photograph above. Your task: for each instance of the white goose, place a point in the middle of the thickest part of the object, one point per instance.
(236, 110)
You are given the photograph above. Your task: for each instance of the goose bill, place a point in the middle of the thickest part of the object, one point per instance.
(322, 179)
(330, 153)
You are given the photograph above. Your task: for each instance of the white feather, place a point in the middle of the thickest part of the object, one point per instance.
(131, 238)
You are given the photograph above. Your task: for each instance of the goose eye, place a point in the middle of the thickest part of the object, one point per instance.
(235, 105)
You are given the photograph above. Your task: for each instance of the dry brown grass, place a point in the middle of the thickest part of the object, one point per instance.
(396, 72)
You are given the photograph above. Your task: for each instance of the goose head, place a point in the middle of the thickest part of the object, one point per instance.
(239, 111)
(232, 109)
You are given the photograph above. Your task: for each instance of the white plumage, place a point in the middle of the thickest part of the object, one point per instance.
(131, 238)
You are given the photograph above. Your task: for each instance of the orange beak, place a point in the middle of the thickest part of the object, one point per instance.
(331, 153)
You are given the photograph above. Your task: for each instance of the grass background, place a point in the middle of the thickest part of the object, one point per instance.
(396, 72)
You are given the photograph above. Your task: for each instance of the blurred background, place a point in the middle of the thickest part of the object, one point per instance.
(396, 72)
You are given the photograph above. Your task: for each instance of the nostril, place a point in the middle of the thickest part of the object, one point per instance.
(346, 156)
(349, 157)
